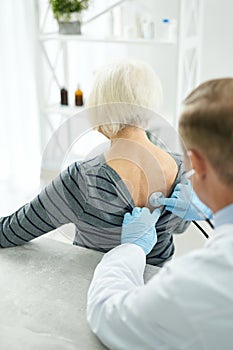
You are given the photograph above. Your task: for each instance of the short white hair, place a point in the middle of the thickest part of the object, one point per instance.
(122, 91)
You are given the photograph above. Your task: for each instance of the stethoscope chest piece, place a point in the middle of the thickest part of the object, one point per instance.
(153, 199)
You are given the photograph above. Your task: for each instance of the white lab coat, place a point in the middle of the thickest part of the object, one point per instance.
(187, 305)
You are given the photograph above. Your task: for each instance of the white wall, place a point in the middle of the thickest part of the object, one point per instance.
(217, 48)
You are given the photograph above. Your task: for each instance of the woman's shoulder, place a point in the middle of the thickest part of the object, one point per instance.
(87, 164)
(177, 157)
(181, 169)
(91, 168)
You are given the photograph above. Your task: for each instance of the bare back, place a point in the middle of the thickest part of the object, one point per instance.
(143, 167)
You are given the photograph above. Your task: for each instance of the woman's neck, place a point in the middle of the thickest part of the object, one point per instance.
(130, 133)
(131, 143)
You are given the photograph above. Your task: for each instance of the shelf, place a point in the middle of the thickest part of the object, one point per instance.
(84, 38)
(67, 111)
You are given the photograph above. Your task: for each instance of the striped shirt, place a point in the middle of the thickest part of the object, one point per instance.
(92, 196)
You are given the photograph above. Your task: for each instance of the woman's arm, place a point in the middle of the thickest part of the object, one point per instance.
(61, 202)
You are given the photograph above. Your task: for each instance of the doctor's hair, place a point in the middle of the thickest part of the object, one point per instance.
(122, 92)
(206, 124)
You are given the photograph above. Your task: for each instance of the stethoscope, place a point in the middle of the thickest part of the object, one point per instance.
(153, 202)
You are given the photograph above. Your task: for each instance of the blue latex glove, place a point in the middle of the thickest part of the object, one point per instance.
(180, 203)
(139, 228)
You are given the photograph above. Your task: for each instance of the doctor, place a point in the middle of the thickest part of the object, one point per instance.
(189, 303)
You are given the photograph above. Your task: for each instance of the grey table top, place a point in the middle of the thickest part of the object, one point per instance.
(43, 288)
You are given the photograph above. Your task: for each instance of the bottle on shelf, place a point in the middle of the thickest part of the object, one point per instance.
(164, 29)
(78, 97)
(167, 29)
(148, 29)
(64, 97)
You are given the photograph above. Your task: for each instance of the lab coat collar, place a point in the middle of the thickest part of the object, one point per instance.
(221, 233)
(224, 216)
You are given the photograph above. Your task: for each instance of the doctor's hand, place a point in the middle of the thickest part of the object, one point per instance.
(180, 203)
(139, 228)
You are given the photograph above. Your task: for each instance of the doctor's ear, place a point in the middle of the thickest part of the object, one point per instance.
(199, 162)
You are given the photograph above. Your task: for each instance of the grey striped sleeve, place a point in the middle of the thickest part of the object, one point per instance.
(61, 202)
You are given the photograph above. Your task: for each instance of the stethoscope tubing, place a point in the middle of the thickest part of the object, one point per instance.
(201, 229)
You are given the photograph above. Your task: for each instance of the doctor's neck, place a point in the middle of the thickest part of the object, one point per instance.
(221, 199)
(214, 191)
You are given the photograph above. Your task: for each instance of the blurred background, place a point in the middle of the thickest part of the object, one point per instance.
(48, 57)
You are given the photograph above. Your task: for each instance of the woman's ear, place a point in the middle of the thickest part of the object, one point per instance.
(199, 163)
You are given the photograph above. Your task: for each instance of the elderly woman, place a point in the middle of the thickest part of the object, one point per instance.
(95, 194)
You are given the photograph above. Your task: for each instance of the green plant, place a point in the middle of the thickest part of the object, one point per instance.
(64, 8)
